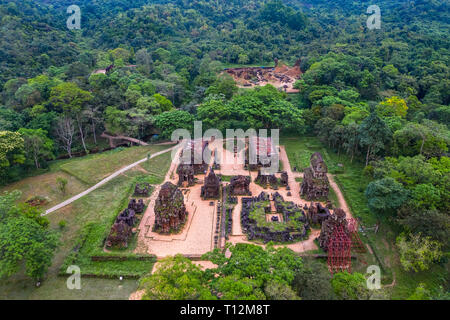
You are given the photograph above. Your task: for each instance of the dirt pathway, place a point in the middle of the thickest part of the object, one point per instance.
(342, 203)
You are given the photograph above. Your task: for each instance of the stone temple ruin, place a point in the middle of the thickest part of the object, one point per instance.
(293, 226)
(211, 187)
(193, 164)
(315, 183)
(186, 177)
(284, 180)
(317, 213)
(240, 186)
(280, 76)
(122, 227)
(265, 180)
(263, 151)
(170, 210)
(334, 221)
(142, 190)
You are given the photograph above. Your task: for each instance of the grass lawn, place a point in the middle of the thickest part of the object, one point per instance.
(353, 183)
(93, 168)
(158, 168)
(81, 173)
(97, 208)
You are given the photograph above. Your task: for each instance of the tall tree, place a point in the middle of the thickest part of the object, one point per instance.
(38, 146)
(11, 151)
(24, 241)
(72, 101)
(374, 135)
(385, 195)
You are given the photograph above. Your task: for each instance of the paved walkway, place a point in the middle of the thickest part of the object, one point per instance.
(104, 181)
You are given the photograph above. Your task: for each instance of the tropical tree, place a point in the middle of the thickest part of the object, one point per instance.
(417, 253)
(72, 101)
(170, 121)
(350, 286)
(176, 278)
(374, 135)
(38, 147)
(385, 195)
(12, 150)
(24, 240)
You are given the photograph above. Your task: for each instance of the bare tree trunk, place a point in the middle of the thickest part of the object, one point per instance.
(367, 156)
(65, 131)
(93, 130)
(421, 147)
(35, 156)
(80, 127)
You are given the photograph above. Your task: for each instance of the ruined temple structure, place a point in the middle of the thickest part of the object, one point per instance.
(240, 186)
(336, 221)
(170, 211)
(317, 213)
(260, 153)
(211, 187)
(264, 180)
(186, 176)
(123, 226)
(315, 183)
(279, 76)
(137, 206)
(192, 154)
(292, 225)
(119, 235)
(142, 190)
(284, 180)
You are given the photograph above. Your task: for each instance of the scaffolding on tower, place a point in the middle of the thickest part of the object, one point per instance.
(339, 250)
(357, 244)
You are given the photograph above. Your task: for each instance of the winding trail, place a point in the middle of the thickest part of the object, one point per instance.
(104, 181)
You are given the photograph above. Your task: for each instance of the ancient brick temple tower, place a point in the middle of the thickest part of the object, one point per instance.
(170, 211)
(211, 188)
(240, 186)
(186, 176)
(315, 184)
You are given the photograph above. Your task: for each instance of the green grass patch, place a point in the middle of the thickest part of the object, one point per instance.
(157, 168)
(88, 252)
(93, 168)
